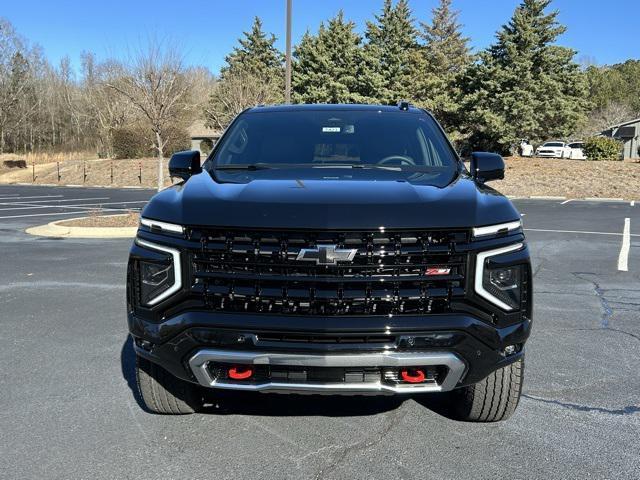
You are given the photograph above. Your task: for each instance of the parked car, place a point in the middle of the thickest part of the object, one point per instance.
(576, 151)
(553, 149)
(331, 249)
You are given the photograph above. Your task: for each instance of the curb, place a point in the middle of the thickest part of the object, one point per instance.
(60, 231)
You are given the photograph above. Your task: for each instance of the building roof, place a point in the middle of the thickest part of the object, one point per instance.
(629, 122)
(199, 130)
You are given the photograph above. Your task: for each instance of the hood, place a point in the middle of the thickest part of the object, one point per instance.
(329, 204)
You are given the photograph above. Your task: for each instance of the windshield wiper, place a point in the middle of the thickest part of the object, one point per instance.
(363, 167)
(252, 166)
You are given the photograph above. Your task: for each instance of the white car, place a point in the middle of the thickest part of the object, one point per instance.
(575, 151)
(553, 149)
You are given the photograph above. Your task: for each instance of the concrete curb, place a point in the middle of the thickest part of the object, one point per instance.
(53, 229)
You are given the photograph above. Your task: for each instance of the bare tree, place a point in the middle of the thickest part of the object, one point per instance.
(156, 84)
(602, 118)
(234, 93)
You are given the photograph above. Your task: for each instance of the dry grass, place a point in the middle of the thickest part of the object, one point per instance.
(130, 219)
(91, 173)
(570, 178)
(48, 157)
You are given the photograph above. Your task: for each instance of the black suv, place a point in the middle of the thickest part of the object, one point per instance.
(331, 249)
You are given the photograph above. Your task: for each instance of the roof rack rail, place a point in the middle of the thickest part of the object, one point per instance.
(403, 105)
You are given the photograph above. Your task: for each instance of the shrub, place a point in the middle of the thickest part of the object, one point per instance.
(206, 146)
(178, 139)
(602, 148)
(129, 143)
(137, 142)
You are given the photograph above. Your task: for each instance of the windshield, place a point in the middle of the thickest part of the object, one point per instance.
(335, 139)
(553, 144)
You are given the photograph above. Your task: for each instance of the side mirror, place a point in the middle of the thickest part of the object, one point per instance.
(184, 164)
(486, 166)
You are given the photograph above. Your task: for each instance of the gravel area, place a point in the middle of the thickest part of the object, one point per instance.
(126, 220)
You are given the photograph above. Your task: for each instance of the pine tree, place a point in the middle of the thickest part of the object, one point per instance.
(524, 86)
(442, 58)
(329, 66)
(256, 55)
(253, 75)
(392, 42)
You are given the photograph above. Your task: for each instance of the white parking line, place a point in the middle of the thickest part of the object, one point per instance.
(633, 203)
(604, 199)
(90, 206)
(615, 234)
(75, 212)
(567, 201)
(19, 200)
(39, 196)
(623, 258)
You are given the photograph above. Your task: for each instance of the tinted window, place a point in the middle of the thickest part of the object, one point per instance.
(553, 144)
(325, 138)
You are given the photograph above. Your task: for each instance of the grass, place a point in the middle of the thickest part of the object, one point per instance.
(570, 178)
(40, 158)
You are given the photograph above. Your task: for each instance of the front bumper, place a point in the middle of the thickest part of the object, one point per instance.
(199, 364)
(464, 348)
(549, 154)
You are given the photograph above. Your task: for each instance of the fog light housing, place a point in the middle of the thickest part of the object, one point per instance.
(501, 285)
(504, 284)
(155, 279)
(159, 279)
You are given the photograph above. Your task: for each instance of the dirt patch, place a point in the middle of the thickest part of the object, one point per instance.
(127, 220)
(570, 178)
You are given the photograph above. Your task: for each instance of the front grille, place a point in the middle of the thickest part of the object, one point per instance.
(243, 271)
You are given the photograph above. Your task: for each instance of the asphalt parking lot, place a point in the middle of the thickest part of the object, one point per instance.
(68, 408)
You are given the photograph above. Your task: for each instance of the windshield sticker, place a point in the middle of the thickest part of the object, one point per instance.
(330, 129)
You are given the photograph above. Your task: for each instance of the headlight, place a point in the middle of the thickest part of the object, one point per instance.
(162, 226)
(502, 228)
(502, 286)
(159, 279)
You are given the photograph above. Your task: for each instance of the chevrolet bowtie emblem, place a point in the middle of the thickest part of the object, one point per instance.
(327, 254)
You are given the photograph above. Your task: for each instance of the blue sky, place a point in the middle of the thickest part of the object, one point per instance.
(601, 32)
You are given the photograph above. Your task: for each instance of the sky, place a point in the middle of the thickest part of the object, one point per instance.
(601, 32)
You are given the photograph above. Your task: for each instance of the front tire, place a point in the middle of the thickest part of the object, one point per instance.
(163, 393)
(493, 399)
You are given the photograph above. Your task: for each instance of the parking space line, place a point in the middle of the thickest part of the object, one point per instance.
(623, 258)
(615, 234)
(567, 201)
(633, 203)
(18, 202)
(89, 206)
(23, 198)
(75, 212)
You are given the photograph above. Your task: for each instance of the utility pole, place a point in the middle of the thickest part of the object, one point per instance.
(287, 82)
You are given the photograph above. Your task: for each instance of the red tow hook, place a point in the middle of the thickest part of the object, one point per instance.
(240, 372)
(413, 375)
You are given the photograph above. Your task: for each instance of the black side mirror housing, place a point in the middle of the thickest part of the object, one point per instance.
(184, 164)
(486, 166)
